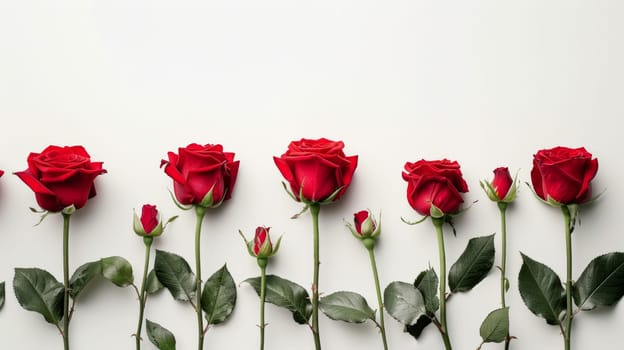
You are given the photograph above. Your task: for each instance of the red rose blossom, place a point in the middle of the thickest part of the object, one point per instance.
(316, 169)
(61, 177)
(437, 182)
(196, 170)
(563, 174)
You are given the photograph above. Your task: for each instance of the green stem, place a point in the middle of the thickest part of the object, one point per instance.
(148, 244)
(382, 328)
(314, 210)
(262, 297)
(66, 280)
(438, 222)
(502, 206)
(568, 239)
(200, 213)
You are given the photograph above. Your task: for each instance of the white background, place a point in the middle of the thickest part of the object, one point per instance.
(487, 83)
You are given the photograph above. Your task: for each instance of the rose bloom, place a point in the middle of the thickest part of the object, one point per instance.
(437, 182)
(61, 177)
(197, 169)
(563, 174)
(315, 169)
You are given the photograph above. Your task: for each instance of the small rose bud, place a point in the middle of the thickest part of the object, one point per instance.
(365, 225)
(149, 225)
(261, 247)
(502, 188)
(262, 242)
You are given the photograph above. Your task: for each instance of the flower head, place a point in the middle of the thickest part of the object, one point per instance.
(502, 188)
(563, 175)
(318, 171)
(149, 224)
(364, 225)
(261, 247)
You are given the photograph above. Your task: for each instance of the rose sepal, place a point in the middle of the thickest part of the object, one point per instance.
(44, 214)
(208, 200)
(69, 210)
(414, 222)
(178, 204)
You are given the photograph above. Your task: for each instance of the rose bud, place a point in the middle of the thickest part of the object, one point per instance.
(261, 247)
(502, 188)
(149, 224)
(366, 229)
(365, 225)
(562, 175)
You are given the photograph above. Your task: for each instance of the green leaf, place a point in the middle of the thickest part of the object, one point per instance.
(417, 328)
(346, 306)
(37, 290)
(175, 274)
(153, 285)
(83, 276)
(286, 294)
(541, 290)
(601, 283)
(160, 336)
(495, 327)
(219, 296)
(117, 270)
(473, 264)
(427, 284)
(1, 294)
(404, 302)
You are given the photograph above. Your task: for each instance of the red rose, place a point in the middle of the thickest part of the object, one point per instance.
(1, 172)
(61, 177)
(563, 174)
(198, 170)
(437, 182)
(316, 169)
(502, 182)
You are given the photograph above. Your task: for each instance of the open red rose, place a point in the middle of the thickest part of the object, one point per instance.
(563, 174)
(1, 172)
(196, 170)
(437, 182)
(316, 169)
(61, 177)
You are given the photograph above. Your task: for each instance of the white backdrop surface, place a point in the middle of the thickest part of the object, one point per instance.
(487, 83)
